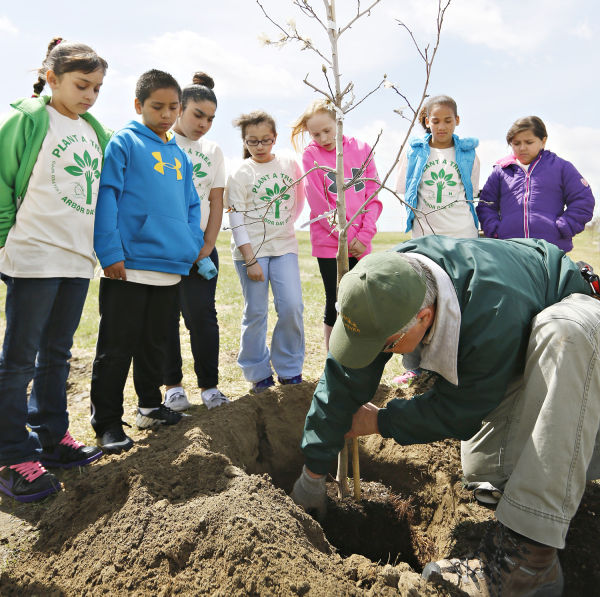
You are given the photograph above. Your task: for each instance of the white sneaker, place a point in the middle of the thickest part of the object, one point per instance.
(176, 399)
(214, 397)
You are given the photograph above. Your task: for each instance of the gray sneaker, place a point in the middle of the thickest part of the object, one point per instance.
(162, 415)
(177, 401)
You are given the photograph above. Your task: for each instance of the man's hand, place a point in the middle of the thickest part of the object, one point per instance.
(310, 493)
(364, 421)
(116, 271)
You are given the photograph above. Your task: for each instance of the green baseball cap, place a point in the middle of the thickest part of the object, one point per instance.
(376, 299)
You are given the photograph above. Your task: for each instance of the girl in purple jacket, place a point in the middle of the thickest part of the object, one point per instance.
(532, 193)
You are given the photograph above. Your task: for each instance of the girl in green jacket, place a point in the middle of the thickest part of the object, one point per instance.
(52, 154)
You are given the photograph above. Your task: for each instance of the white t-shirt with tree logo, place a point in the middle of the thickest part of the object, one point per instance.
(209, 170)
(260, 192)
(53, 235)
(441, 199)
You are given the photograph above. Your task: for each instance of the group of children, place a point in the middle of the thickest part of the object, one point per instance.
(147, 203)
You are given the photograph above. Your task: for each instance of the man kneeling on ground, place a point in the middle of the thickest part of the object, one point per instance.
(511, 330)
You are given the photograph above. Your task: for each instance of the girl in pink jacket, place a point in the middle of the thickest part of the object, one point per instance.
(318, 120)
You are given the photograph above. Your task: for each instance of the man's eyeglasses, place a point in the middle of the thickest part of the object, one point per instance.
(392, 345)
(255, 142)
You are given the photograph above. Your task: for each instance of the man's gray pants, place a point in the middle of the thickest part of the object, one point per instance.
(542, 443)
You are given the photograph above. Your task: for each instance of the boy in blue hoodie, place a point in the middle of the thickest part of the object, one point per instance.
(147, 235)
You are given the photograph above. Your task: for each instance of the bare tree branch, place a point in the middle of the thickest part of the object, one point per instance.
(291, 35)
(358, 15)
(324, 69)
(308, 10)
(317, 89)
(365, 97)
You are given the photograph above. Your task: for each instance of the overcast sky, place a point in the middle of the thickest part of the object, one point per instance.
(499, 60)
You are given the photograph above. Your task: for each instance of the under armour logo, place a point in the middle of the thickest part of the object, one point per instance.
(358, 186)
(160, 166)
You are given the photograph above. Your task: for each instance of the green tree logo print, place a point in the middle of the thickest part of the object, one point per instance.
(88, 168)
(441, 179)
(271, 193)
(198, 171)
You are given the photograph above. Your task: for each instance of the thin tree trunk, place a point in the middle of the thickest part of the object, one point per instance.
(340, 204)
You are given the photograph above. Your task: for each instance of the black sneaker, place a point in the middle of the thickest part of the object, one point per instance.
(69, 453)
(27, 481)
(114, 441)
(162, 415)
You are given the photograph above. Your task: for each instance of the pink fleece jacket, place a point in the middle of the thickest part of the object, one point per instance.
(321, 194)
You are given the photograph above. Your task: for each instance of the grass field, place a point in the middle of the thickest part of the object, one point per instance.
(229, 307)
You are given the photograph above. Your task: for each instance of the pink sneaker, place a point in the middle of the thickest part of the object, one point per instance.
(69, 453)
(27, 481)
(407, 378)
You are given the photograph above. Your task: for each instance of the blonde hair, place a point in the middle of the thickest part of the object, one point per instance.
(299, 126)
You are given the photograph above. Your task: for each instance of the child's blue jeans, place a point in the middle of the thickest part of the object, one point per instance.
(287, 343)
(42, 315)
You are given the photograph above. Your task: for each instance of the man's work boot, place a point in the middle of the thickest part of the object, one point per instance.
(504, 564)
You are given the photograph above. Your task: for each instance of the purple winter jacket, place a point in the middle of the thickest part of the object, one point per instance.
(551, 201)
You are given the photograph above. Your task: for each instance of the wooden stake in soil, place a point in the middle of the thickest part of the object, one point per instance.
(355, 469)
(342, 471)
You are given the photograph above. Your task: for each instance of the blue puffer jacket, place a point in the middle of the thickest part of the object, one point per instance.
(418, 154)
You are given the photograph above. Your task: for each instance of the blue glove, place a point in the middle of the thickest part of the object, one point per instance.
(206, 268)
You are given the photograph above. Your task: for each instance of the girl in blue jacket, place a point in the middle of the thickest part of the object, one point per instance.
(439, 177)
(52, 152)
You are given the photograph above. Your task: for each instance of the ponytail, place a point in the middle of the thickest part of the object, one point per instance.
(200, 90)
(64, 57)
(39, 85)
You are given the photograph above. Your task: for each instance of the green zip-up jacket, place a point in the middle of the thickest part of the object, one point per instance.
(21, 135)
(501, 285)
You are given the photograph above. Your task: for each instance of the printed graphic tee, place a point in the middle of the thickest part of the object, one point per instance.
(260, 192)
(53, 235)
(209, 170)
(441, 196)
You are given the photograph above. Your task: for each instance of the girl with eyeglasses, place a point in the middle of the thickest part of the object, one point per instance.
(318, 120)
(263, 204)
